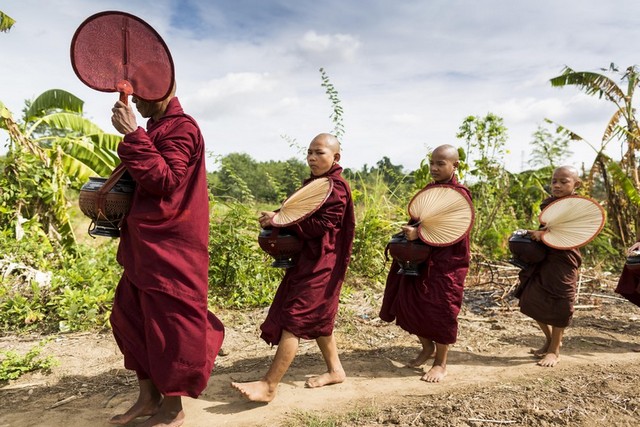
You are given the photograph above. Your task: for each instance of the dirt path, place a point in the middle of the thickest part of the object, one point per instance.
(489, 364)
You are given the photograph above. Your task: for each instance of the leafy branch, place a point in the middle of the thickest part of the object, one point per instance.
(336, 115)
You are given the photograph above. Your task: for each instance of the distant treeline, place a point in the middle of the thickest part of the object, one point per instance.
(242, 178)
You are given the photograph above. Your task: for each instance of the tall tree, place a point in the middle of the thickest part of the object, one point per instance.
(622, 126)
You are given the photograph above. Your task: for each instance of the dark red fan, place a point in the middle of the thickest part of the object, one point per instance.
(119, 52)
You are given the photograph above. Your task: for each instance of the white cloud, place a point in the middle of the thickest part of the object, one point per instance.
(407, 73)
(338, 46)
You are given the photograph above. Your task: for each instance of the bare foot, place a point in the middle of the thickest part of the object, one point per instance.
(256, 391)
(327, 378)
(426, 354)
(435, 374)
(174, 419)
(139, 409)
(636, 350)
(540, 352)
(549, 360)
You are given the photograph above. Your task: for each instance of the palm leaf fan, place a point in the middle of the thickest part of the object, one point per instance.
(303, 202)
(445, 215)
(571, 222)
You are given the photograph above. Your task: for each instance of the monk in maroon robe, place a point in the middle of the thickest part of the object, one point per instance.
(549, 287)
(428, 305)
(306, 302)
(160, 317)
(629, 282)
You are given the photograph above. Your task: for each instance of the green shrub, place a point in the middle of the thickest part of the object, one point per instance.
(240, 274)
(13, 365)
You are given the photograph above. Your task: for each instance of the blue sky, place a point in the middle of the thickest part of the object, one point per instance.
(407, 72)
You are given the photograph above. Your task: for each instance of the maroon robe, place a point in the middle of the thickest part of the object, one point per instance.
(629, 285)
(550, 285)
(428, 305)
(306, 302)
(160, 317)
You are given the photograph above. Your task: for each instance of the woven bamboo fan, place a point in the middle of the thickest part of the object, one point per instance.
(445, 215)
(303, 202)
(571, 222)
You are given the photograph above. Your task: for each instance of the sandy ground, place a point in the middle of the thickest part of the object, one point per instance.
(492, 379)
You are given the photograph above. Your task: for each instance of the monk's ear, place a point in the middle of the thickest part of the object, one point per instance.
(456, 164)
(578, 184)
(336, 157)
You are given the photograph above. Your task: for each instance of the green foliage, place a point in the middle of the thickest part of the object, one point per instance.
(51, 148)
(32, 196)
(337, 112)
(632, 193)
(489, 183)
(549, 150)
(376, 208)
(240, 274)
(14, 365)
(46, 290)
(242, 178)
(622, 126)
(6, 22)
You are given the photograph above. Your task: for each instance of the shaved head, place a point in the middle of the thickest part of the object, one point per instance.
(568, 170)
(330, 141)
(447, 151)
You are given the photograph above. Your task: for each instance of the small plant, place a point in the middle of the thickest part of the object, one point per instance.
(14, 365)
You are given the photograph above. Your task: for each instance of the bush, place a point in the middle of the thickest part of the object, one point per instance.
(240, 274)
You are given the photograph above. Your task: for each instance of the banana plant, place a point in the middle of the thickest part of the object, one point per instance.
(620, 179)
(622, 124)
(68, 146)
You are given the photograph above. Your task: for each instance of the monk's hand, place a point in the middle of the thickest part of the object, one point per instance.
(410, 232)
(635, 247)
(123, 118)
(265, 218)
(535, 235)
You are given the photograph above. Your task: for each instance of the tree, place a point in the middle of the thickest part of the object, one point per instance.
(49, 148)
(485, 138)
(548, 150)
(621, 126)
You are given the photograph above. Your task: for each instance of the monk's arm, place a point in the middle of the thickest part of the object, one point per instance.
(325, 218)
(159, 168)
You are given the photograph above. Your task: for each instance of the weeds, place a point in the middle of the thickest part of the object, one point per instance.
(13, 365)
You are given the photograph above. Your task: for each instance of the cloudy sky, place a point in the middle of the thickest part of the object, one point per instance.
(407, 72)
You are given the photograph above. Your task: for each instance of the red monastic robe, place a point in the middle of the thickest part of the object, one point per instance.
(550, 285)
(306, 302)
(629, 285)
(428, 305)
(160, 317)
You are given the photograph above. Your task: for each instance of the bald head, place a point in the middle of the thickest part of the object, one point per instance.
(447, 151)
(568, 170)
(328, 140)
